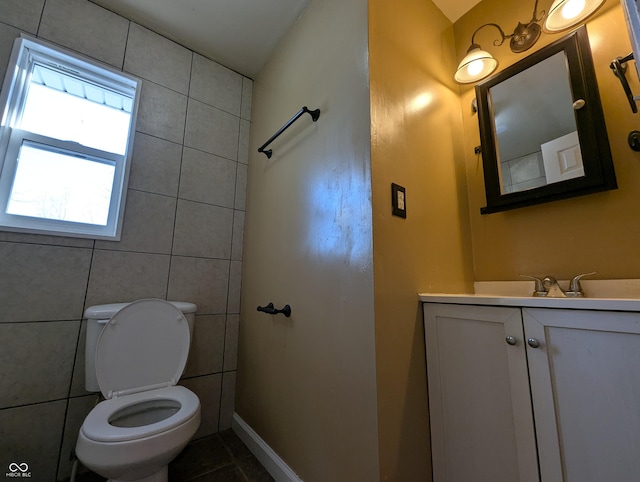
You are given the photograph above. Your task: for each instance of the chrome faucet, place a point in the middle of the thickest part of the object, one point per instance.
(552, 288)
(549, 287)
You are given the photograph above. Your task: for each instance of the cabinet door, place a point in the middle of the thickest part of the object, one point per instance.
(585, 382)
(479, 398)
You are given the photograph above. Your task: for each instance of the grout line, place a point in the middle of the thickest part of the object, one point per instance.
(37, 32)
(236, 462)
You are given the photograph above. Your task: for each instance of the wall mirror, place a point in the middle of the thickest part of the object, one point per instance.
(542, 128)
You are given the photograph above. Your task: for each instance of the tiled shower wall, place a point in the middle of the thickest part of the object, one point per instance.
(182, 236)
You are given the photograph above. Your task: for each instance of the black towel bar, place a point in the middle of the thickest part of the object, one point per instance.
(270, 309)
(315, 115)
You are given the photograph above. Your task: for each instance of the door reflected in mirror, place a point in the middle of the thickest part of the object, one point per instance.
(544, 149)
(542, 128)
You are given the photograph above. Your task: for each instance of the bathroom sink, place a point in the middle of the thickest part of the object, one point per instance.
(618, 295)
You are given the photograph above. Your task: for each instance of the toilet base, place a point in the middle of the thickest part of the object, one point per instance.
(161, 475)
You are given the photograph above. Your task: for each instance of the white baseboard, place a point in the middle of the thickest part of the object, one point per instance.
(271, 461)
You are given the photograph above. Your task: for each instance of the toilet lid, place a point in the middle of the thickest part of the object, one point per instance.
(144, 346)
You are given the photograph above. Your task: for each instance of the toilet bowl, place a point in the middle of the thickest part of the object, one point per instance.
(146, 419)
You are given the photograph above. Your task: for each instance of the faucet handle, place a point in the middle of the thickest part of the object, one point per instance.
(575, 289)
(539, 289)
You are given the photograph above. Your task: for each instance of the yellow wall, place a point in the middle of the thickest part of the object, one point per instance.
(422, 137)
(416, 133)
(598, 232)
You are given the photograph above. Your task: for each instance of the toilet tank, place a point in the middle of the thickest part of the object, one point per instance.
(97, 317)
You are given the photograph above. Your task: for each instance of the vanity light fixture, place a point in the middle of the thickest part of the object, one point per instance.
(478, 64)
(565, 14)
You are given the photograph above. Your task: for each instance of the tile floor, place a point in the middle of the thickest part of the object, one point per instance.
(221, 457)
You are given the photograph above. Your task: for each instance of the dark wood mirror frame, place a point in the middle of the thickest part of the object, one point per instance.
(592, 133)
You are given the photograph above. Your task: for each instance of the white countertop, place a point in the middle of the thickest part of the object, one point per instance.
(610, 295)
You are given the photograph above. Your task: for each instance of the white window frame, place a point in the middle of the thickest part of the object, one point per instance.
(28, 51)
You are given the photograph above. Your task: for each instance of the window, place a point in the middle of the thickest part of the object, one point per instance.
(65, 143)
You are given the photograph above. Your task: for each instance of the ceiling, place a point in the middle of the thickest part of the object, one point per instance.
(454, 9)
(240, 34)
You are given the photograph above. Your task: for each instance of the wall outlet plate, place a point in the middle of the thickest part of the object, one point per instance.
(398, 201)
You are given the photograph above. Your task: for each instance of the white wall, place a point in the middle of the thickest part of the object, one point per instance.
(306, 384)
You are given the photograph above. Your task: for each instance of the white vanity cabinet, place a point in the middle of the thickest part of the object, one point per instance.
(520, 394)
(585, 387)
(479, 397)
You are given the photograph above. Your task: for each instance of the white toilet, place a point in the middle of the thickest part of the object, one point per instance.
(135, 355)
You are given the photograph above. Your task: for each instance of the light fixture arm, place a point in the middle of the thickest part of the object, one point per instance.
(497, 43)
(524, 36)
(535, 17)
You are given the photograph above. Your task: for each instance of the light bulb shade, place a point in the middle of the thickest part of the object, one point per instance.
(565, 14)
(475, 66)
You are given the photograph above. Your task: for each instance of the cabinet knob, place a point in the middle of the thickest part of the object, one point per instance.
(511, 340)
(533, 343)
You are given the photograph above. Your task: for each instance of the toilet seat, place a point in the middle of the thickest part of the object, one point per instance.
(140, 355)
(140, 351)
(96, 425)
(144, 346)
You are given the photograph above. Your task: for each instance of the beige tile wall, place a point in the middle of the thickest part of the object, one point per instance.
(181, 240)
